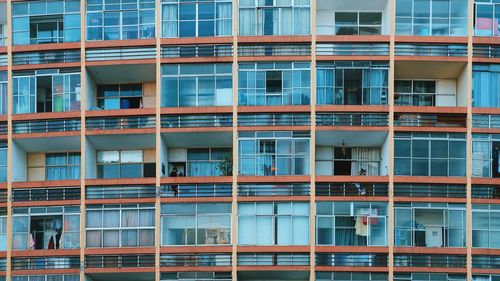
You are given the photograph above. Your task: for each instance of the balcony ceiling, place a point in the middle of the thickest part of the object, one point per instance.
(131, 141)
(120, 277)
(114, 74)
(428, 70)
(272, 275)
(54, 144)
(351, 138)
(205, 139)
(353, 5)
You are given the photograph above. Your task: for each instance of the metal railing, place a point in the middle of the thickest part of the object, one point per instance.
(348, 49)
(46, 57)
(273, 259)
(3, 60)
(429, 120)
(291, 189)
(125, 191)
(486, 51)
(196, 51)
(274, 50)
(201, 259)
(46, 126)
(119, 261)
(347, 259)
(486, 191)
(33, 263)
(430, 190)
(351, 189)
(275, 119)
(352, 119)
(441, 50)
(416, 260)
(486, 121)
(195, 121)
(3, 195)
(196, 276)
(484, 261)
(120, 123)
(3, 128)
(46, 194)
(196, 190)
(124, 53)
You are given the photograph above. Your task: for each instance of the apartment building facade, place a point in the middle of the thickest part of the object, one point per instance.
(249, 140)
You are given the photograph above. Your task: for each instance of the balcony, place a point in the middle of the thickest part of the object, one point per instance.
(273, 259)
(43, 263)
(46, 126)
(120, 192)
(431, 50)
(351, 189)
(351, 260)
(274, 119)
(196, 121)
(430, 120)
(429, 190)
(196, 190)
(430, 226)
(292, 189)
(352, 49)
(274, 50)
(119, 261)
(46, 228)
(353, 18)
(352, 83)
(121, 123)
(123, 53)
(196, 275)
(56, 90)
(356, 153)
(352, 119)
(45, 194)
(443, 261)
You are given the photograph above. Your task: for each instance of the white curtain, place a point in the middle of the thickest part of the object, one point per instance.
(169, 21)
(287, 23)
(481, 159)
(224, 16)
(366, 158)
(247, 21)
(302, 21)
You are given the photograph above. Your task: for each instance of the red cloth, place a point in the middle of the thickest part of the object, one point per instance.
(51, 243)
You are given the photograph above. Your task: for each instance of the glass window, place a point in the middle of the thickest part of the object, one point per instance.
(278, 223)
(121, 164)
(274, 84)
(62, 166)
(120, 226)
(40, 22)
(275, 18)
(196, 224)
(203, 85)
(431, 17)
(120, 20)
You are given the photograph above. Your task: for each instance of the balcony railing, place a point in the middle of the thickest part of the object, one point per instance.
(46, 126)
(119, 261)
(46, 57)
(291, 189)
(486, 51)
(3, 60)
(352, 119)
(196, 121)
(487, 121)
(429, 120)
(431, 50)
(415, 260)
(196, 190)
(297, 119)
(46, 194)
(486, 191)
(196, 51)
(346, 49)
(125, 53)
(274, 259)
(429, 190)
(346, 259)
(483, 261)
(120, 123)
(169, 260)
(351, 189)
(3, 195)
(3, 264)
(35, 263)
(195, 276)
(274, 50)
(3, 128)
(113, 192)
